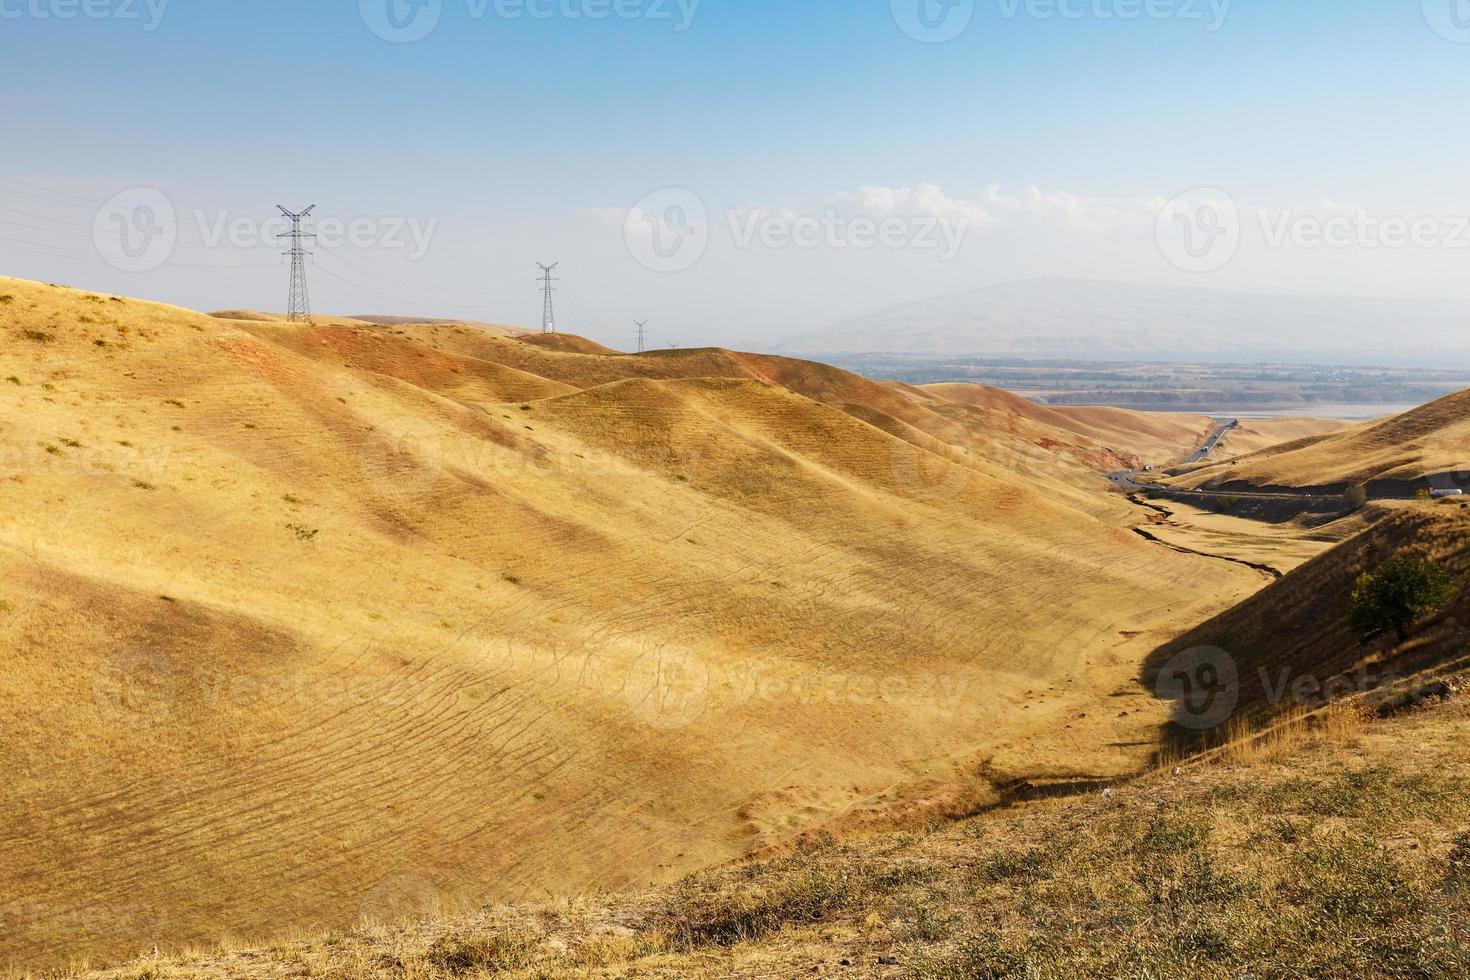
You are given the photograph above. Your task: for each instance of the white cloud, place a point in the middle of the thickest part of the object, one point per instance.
(924, 200)
(612, 217)
(1031, 205)
(1090, 214)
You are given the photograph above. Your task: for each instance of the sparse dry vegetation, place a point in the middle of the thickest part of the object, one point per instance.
(1346, 856)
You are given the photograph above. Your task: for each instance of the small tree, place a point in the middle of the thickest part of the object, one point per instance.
(1355, 497)
(1400, 594)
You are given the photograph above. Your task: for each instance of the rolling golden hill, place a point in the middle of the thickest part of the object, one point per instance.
(1328, 841)
(1426, 448)
(315, 623)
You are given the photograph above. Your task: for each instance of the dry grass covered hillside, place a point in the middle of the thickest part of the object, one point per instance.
(1254, 435)
(1427, 448)
(1329, 840)
(1292, 644)
(311, 624)
(1340, 852)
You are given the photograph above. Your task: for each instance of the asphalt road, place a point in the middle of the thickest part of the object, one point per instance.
(1138, 479)
(1212, 443)
(1143, 480)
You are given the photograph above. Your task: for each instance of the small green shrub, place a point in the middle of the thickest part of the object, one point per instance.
(1401, 593)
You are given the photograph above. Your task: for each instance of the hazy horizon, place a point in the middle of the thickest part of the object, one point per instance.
(667, 155)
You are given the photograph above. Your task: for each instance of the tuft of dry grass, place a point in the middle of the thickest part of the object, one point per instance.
(1243, 745)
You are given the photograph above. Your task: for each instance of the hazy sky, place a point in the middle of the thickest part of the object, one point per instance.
(731, 171)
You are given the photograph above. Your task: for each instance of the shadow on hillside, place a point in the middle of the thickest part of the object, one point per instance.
(1290, 643)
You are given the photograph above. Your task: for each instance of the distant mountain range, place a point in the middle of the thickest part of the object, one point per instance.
(1069, 318)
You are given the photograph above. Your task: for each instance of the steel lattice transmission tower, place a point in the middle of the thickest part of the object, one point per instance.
(299, 307)
(548, 314)
(642, 334)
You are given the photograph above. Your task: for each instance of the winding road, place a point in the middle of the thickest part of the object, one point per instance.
(1143, 481)
(1130, 479)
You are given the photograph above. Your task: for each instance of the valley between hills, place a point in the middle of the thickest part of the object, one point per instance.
(344, 625)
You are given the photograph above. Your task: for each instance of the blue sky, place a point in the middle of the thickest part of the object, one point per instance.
(520, 139)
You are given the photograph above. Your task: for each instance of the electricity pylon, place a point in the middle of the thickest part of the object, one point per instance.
(548, 314)
(298, 308)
